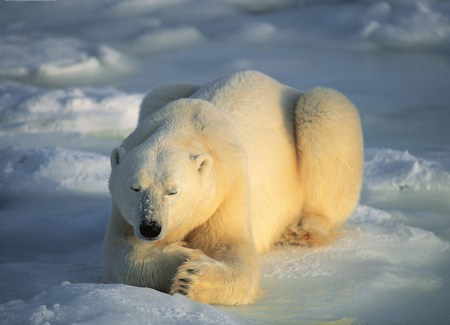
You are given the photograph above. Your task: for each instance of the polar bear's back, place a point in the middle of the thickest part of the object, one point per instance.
(262, 111)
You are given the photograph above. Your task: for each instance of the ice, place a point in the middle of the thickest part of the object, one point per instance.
(30, 109)
(260, 6)
(409, 25)
(396, 170)
(167, 39)
(138, 7)
(58, 61)
(71, 81)
(52, 170)
(256, 32)
(92, 304)
(368, 242)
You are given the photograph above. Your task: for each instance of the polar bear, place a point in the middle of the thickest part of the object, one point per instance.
(215, 175)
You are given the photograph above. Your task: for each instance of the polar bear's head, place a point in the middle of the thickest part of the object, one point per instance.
(162, 190)
(172, 172)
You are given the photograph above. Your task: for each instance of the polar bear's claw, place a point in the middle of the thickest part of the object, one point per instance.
(181, 286)
(190, 278)
(192, 271)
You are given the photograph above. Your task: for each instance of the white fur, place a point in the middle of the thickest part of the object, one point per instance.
(252, 162)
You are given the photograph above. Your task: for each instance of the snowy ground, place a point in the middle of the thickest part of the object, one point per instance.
(72, 74)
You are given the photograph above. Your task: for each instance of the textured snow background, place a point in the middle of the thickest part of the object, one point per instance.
(72, 74)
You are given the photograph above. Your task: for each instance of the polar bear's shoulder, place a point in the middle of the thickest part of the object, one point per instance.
(163, 95)
(244, 81)
(239, 89)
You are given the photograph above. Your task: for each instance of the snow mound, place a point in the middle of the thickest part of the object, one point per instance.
(52, 170)
(50, 60)
(403, 24)
(256, 32)
(77, 110)
(379, 236)
(108, 304)
(261, 6)
(165, 39)
(387, 169)
(372, 238)
(138, 7)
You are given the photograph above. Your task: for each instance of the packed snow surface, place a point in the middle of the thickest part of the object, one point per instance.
(72, 75)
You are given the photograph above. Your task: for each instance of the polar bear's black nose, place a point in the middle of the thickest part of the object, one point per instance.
(149, 229)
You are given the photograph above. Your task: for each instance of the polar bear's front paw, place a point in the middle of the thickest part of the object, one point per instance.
(182, 282)
(194, 278)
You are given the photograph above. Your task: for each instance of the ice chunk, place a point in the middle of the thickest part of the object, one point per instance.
(77, 110)
(48, 60)
(166, 39)
(259, 6)
(387, 169)
(413, 25)
(256, 32)
(109, 304)
(372, 237)
(52, 170)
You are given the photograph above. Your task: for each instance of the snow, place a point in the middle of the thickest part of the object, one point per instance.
(89, 303)
(52, 169)
(419, 25)
(167, 39)
(399, 170)
(54, 61)
(70, 88)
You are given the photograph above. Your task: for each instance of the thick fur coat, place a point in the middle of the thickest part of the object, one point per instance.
(215, 175)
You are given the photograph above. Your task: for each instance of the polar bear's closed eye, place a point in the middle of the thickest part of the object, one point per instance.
(172, 192)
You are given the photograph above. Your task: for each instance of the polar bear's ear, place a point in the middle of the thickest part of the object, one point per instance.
(203, 162)
(116, 155)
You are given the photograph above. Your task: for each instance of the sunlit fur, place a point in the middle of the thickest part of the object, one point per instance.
(255, 163)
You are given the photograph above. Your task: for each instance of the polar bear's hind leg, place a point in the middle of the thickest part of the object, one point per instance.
(330, 158)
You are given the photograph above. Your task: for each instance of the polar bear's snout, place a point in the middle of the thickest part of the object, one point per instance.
(149, 215)
(150, 229)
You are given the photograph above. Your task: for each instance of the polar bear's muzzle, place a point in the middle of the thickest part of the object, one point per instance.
(150, 226)
(150, 229)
